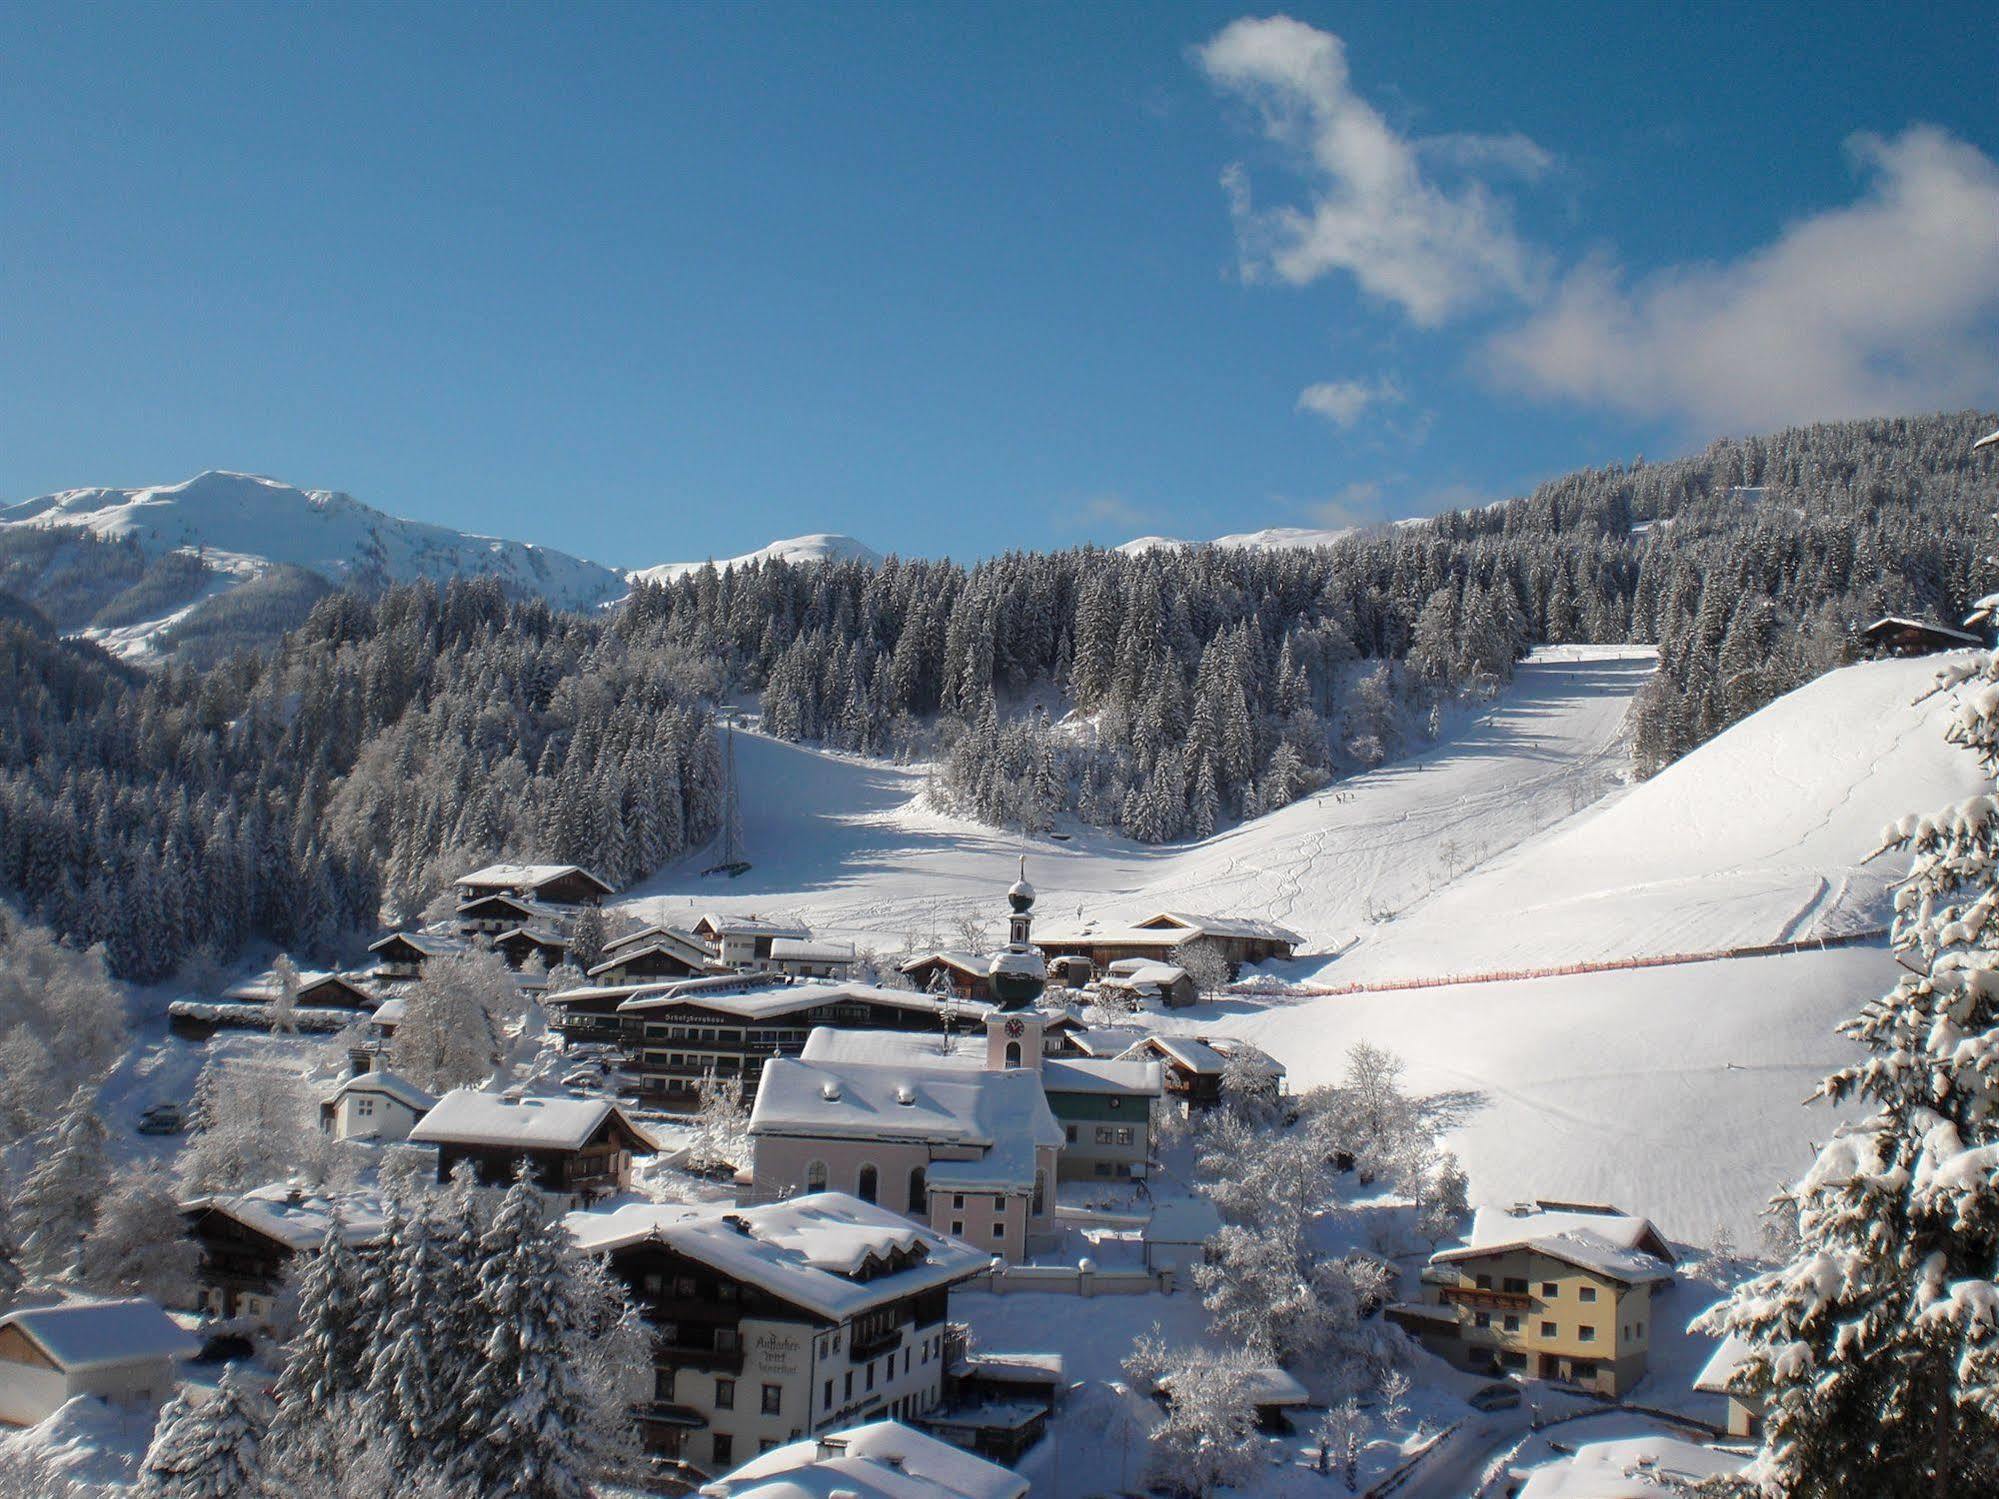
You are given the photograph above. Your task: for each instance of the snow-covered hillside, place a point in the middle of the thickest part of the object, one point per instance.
(1513, 844)
(854, 847)
(242, 524)
(822, 546)
(1761, 835)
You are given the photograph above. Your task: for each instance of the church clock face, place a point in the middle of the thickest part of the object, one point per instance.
(1016, 1028)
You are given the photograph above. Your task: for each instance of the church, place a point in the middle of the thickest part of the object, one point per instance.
(956, 1132)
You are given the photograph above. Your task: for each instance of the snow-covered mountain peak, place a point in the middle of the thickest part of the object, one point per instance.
(244, 524)
(820, 546)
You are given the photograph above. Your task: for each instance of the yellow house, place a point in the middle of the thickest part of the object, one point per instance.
(1559, 1291)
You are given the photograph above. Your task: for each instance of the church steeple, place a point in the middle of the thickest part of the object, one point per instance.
(1019, 974)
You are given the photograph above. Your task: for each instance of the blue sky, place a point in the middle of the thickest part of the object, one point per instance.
(655, 282)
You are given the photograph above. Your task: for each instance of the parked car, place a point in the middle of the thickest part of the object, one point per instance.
(1495, 1397)
(584, 1080)
(162, 1119)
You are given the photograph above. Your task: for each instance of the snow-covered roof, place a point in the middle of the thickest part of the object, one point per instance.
(1247, 927)
(724, 925)
(1727, 1357)
(767, 996)
(297, 1218)
(1636, 1468)
(1930, 625)
(827, 1251)
(1038, 1369)
(524, 906)
(970, 963)
(801, 950)
(546, 936)
(1266, 1385)
(389, 1085)
(1145, 973)
(430, 944)
(1094, 1075)
(470, 1116)
(831, 1043)
(1004, 1116)
(1573, 1238)
(525, 876)
(652, 934)
(1108, 1040)
(263, 989)
(1192, 1055)
(882, 1460)
(390, 1012)
(1625, 1230)
(93, 1334)
(689, 950)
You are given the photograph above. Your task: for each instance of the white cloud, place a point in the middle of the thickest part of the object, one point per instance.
(1342, 402)
(1887, 304)
(1371, 209)
(1512, 152)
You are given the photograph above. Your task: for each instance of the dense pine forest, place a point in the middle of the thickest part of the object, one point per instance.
(338, 779)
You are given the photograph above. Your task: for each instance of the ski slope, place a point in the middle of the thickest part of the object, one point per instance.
(1760, 836)
(855, 849)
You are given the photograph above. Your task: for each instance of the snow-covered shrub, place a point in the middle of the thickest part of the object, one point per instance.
(450, 1033)
(254, 1123)
(139, 1245)
(62, 1024)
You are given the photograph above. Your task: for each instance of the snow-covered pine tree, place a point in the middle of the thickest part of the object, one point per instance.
(422, 1353)
(57, 1201)
(211, 1449)
(327, 1359)
(1876, 1348)
(527, 1401)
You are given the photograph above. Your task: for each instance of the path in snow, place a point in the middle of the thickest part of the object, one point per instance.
(849, 845)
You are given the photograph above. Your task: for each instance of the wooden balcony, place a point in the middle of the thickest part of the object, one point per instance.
(1483, 1300)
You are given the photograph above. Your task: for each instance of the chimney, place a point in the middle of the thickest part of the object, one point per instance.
(360, 1062)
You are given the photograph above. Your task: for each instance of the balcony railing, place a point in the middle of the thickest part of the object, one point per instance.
(1486, 1300)
(876, 1344)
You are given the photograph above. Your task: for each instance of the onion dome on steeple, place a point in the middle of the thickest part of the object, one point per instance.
(1019, 974)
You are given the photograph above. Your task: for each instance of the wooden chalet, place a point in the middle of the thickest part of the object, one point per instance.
(401, 955)
(501, 911)
(673, 1034)
(1896, 636)
(523, 942)
(965, 974)
(661, 953)
(551, 884)
(777, 1322)
(247, 1241)
(578, 1148)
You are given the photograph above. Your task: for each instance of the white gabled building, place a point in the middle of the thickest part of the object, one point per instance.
(374, 1105)
(882, 1460)
(900, 1119)
(777, 1322)
(122, 1352)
